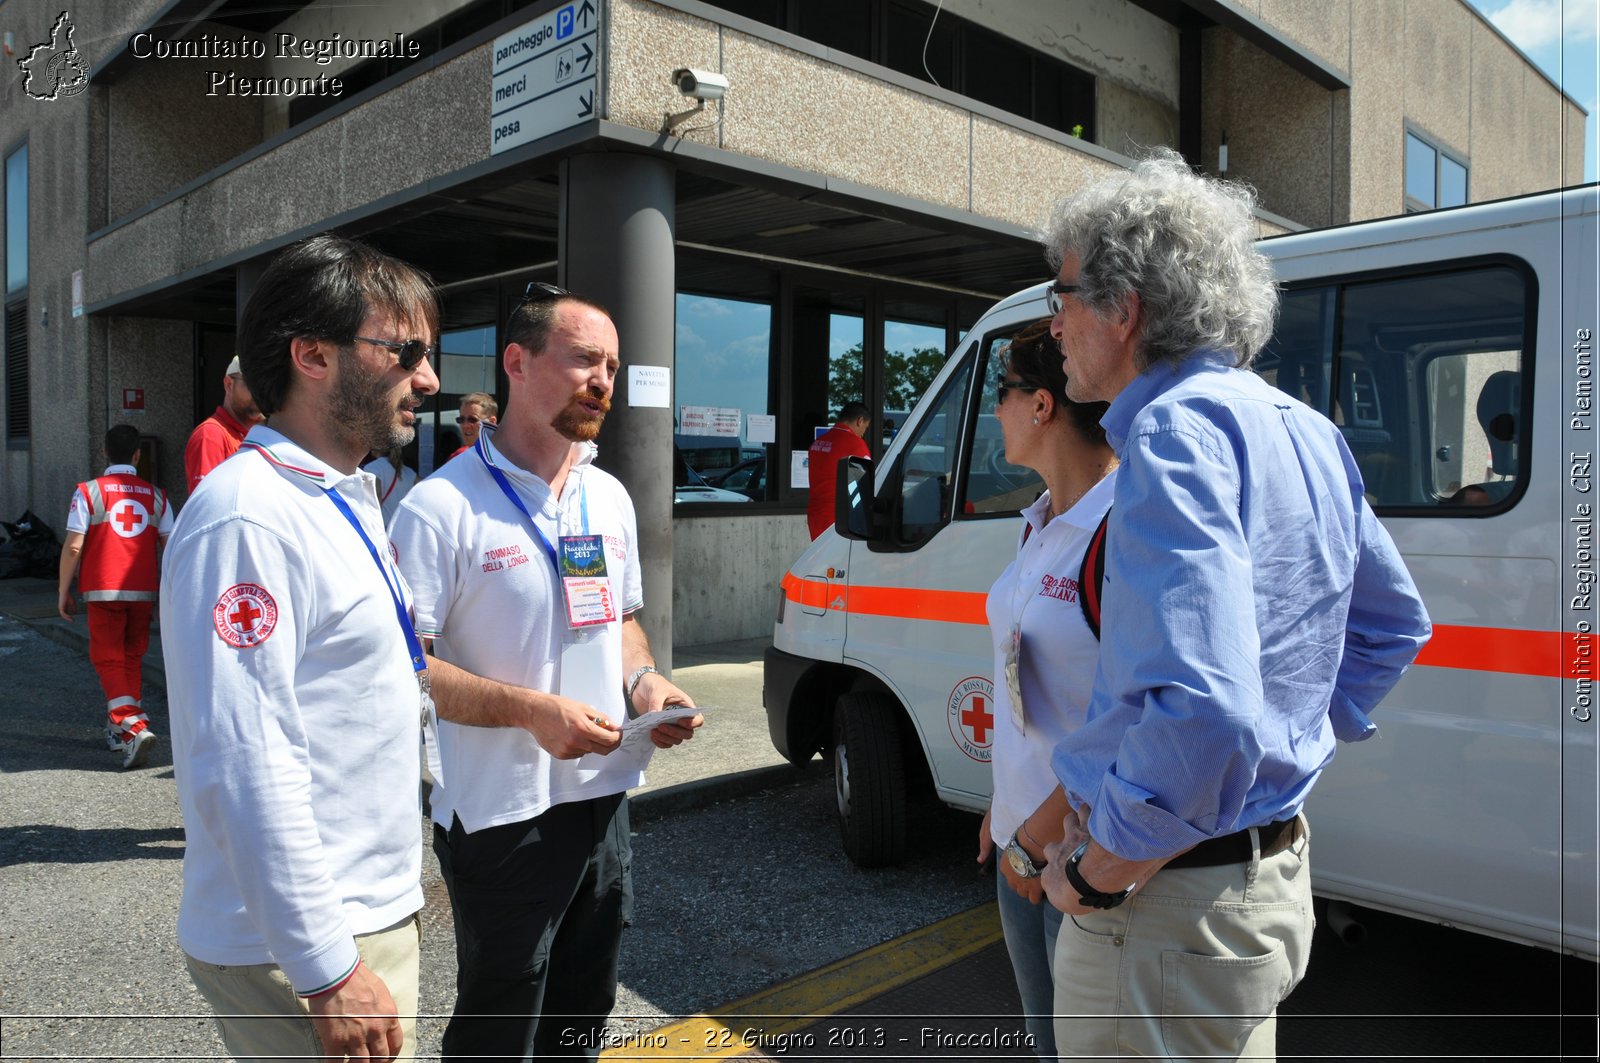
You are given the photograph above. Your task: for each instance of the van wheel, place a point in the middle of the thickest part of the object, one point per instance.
(869, 779)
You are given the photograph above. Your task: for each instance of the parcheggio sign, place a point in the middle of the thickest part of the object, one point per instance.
(545, 77)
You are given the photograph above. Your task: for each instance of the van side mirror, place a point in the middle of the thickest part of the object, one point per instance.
(853, 503)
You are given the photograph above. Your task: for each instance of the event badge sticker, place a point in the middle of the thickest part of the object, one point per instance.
(583, 578)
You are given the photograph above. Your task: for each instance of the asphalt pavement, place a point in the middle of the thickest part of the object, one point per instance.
(753, 938)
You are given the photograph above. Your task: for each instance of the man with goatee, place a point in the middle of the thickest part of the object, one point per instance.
(524, 559)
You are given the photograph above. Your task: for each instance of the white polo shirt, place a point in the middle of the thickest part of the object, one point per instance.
(488, 594)
(1059, 653)
(295, 716)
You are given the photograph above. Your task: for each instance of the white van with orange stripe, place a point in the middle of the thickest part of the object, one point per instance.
(1454, 350)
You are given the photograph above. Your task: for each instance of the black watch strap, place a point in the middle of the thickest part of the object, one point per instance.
(1088, 894)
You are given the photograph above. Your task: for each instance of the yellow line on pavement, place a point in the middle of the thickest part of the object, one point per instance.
(763, 1019)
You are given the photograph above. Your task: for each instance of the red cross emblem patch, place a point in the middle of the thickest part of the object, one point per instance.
(245, 615)
(129, 518)
(971, 717)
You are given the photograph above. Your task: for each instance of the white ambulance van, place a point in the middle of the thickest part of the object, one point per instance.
(1454, 351)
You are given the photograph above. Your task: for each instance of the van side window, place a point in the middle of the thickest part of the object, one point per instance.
(993, 484)
(928, 464)
(1423, 374)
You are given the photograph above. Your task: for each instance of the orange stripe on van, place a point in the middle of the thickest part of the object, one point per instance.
(1566, 655)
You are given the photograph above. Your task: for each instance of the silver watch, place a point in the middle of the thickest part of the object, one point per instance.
(1019, 861)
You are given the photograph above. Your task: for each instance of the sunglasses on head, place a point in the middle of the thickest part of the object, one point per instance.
(410, 352)
(538, 291)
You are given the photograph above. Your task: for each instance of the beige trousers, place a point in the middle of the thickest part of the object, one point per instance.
(1192, 967)
(261, 1016)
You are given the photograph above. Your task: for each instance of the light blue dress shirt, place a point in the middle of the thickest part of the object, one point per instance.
(1254, 612)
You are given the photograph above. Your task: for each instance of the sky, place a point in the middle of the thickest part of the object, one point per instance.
(1563, 38)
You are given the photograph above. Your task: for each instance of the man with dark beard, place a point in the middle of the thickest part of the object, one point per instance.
(524, 559)
(296, 683)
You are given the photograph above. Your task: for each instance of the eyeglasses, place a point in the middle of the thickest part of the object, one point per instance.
(537, 291)
(1056, 291)
(1012, 385)
(410, 353)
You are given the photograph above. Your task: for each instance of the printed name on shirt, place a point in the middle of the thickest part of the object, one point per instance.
(1064, 588)
(618, 548)
(503, 557)
(131, 489)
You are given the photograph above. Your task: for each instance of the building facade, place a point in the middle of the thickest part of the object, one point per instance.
(822, 229)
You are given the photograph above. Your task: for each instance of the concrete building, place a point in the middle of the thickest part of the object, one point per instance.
(822, 231)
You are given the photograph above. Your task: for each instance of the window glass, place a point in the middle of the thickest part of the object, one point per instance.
(842, 24)
(723, 360)
(829, 368)
(997, 71)
(993, 484)
(1425, 381)
(1452, 182)
(913, 354)
(468, 360)
(17, 220)
(910, 49)
(1420, 176)
(927, 466)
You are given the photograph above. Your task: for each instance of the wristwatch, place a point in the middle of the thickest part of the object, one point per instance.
(1017, 858)
(1087, 893)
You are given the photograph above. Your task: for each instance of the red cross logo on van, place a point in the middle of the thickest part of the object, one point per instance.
(971, 717)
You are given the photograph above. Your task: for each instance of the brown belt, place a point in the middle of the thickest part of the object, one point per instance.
(1235, 848)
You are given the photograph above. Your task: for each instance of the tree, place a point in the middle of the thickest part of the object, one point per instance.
(905, 376)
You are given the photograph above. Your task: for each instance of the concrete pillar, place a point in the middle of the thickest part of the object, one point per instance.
(616, 233)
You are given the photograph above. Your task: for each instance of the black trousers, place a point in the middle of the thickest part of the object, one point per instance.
(539, 908)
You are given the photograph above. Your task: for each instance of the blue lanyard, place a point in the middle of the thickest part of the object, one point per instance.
(419, 662)
(505, 487)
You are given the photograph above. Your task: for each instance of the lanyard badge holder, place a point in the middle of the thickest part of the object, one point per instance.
(419, 661)
(580, 569)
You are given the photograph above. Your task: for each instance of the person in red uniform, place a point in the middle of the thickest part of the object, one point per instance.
(219, 435)
(842, 441)
(114, 530)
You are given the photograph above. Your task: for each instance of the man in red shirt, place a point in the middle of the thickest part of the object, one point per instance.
(219, 435)
(842, 441)
(114, 529)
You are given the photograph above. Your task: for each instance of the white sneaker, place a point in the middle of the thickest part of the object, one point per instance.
(113, 739)
(139, 748)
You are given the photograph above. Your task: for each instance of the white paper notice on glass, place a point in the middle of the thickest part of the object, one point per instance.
(761, 428)
(650, 385)
(799, 468)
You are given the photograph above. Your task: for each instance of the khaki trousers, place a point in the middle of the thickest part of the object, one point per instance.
(261, 1016)
(1192, 967)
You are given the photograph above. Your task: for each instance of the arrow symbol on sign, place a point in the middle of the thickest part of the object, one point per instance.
(585, 12)
(586, 103)
(588, 54)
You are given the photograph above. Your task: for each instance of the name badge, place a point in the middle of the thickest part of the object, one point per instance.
(1014, 679)
(583, 579)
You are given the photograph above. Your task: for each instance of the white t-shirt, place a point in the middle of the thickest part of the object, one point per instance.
(1039, 591)
(391, 488)
(487, 593)
(295, 716)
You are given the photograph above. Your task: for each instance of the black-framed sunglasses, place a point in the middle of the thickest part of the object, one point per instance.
(539, 290)
(1056, 291)
(1012, 385)
(410, 352)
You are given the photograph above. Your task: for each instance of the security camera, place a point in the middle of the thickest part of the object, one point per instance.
(701, 84)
